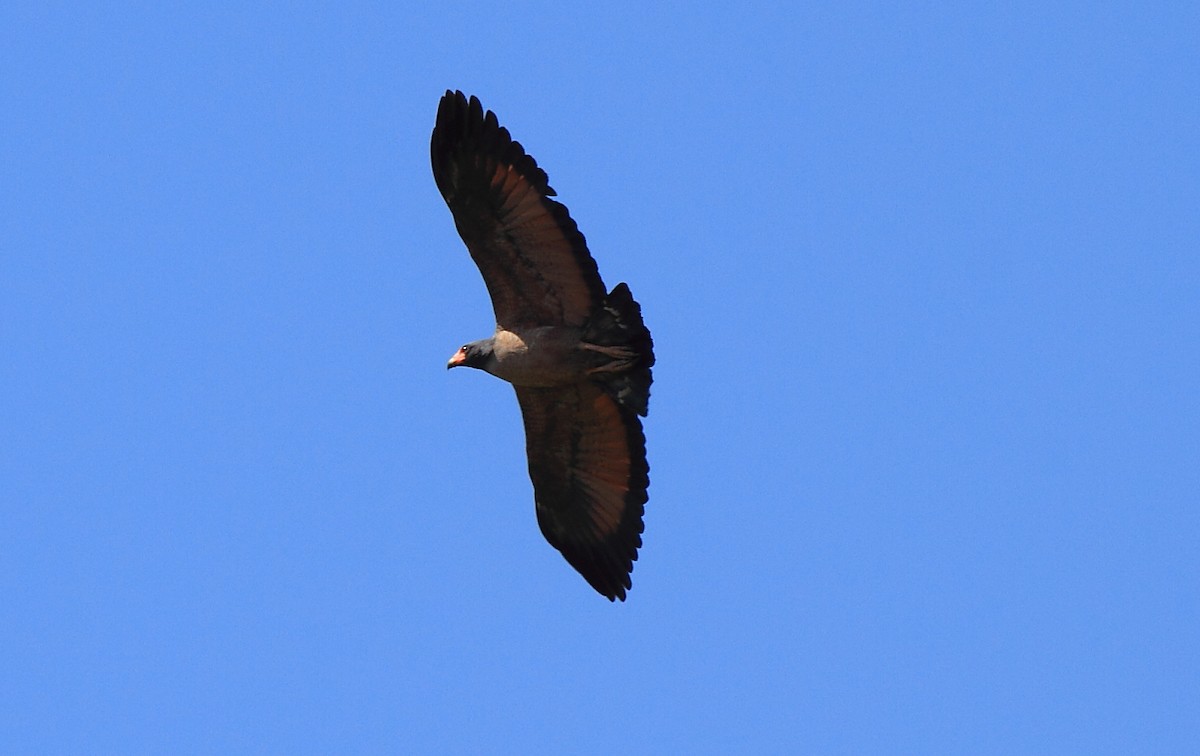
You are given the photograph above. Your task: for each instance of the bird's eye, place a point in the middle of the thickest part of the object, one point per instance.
(464, 348)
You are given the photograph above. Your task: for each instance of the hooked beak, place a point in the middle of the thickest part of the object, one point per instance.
(459, 358)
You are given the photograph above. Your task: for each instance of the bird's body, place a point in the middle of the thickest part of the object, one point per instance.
(538, 356)
(579, 358)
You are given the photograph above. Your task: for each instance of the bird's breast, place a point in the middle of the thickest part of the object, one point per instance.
(541, 356)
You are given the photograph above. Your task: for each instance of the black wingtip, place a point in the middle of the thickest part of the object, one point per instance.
(463, 126)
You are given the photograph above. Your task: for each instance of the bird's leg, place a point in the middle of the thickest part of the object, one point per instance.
(616, 352)
(622, 358)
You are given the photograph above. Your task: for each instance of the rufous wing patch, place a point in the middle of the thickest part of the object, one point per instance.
(533, 258)
(588, 466)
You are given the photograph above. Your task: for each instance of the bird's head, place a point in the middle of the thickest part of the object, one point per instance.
(477, 354)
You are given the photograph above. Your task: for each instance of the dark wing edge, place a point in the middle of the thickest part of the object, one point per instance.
(533, 258)
(587, 461)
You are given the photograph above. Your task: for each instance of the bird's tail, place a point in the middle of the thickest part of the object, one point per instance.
(618, 323)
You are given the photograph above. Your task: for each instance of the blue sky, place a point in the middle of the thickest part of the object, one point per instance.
(925, 294)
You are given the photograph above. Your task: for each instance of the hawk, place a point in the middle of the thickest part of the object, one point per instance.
(577, 355)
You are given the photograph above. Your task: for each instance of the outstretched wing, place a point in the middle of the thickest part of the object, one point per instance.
(587, 460)
(533, 258)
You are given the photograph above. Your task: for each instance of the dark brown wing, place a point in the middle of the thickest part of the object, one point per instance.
(533, 259)
(587, 460)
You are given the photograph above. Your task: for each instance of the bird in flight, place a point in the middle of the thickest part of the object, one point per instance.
(578, 355)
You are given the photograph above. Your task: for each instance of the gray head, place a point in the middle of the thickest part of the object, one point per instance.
(478, 354)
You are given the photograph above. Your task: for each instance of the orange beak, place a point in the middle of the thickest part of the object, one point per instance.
(459, 358)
